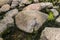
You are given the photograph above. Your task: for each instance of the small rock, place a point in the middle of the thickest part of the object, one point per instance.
(38, 6)
(8, 20)
(4, 22)
(1, 38)
(55, 12)
(14, 3)
(50, 34)
(58, 19)
(12, 13)
(36, 0)
(25, 1)
(46, 4)
(35, 6)
(2, 2)
(30, 20)
(5, 8)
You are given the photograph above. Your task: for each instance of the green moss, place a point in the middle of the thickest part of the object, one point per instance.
(51, 16)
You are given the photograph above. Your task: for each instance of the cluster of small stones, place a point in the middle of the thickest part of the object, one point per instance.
(28, 19)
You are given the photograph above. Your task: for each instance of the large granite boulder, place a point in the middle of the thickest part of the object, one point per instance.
(30, 20)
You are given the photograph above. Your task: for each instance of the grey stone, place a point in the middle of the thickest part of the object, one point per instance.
(50, 34)
(5, 8)
(4, 22)
(21, 5)
(35, 6)
(25, 1)
(58, 19)
(12, 13)
(14, 3)
(1, 38)
(38, 6)
(30, 20)
(8, 20)
(46, 4)
(55, 12)
(2, 2)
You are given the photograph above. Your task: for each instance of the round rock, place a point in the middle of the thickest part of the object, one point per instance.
(1, 38)
(30, 20)
(5, 8)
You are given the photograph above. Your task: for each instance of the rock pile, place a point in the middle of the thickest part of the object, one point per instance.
(29, 17)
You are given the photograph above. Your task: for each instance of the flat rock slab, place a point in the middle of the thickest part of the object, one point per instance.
(50, 34)
(30, 20)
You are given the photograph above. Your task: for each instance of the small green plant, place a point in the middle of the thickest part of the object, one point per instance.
(51, 16)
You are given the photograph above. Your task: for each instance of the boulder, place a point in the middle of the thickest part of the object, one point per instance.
(50, 34)
(30, 20)
(38, 6)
